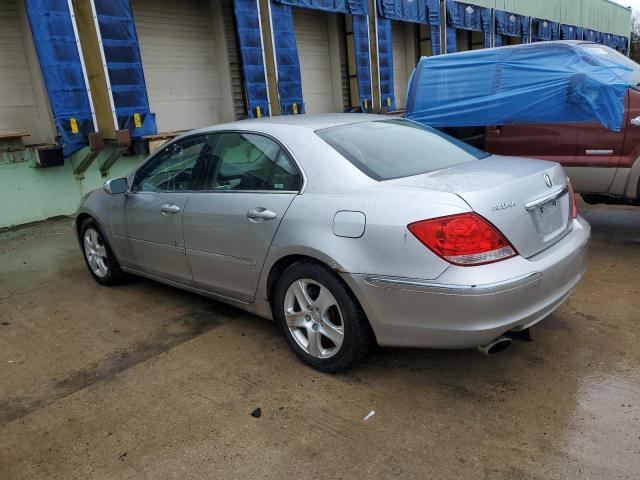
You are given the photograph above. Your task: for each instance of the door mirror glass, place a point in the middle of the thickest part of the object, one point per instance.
(116, 186)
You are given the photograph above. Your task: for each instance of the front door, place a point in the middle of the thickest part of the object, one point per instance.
(229, 224)
(147, 221)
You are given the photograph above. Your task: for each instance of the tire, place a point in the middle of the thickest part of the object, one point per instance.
(98, 255)
(313, 330)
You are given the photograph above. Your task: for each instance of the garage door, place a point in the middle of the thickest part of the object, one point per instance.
(18, 109)
(179, 60)
(403, 52)
(320, 62)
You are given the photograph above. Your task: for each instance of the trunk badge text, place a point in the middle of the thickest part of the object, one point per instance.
(547, 180)
(503, 205)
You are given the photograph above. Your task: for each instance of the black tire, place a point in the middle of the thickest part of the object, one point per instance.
(114, 274)
(358, 338)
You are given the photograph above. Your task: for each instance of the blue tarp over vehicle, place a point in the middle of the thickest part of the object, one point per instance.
(551, 82)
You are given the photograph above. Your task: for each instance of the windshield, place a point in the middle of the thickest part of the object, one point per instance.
(389, 149)
(617, 57)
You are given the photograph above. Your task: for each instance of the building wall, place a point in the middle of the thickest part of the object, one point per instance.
(602, 15)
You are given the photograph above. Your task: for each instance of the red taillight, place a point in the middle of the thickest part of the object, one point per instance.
(572, 198)
(466, 239)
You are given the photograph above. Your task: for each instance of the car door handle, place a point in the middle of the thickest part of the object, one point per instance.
(169, 208)
(260, 213)
(635, 122)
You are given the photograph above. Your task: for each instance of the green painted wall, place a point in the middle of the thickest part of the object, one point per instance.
(29, 194)
(602, 15)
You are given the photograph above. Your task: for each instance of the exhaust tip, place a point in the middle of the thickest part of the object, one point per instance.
(500, 344)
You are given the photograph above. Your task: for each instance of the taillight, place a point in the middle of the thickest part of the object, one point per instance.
(466, 239)
(572, 198)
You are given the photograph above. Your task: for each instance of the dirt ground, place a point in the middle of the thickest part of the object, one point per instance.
(145, 381)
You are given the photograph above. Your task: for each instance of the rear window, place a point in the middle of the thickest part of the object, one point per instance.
(396, 148)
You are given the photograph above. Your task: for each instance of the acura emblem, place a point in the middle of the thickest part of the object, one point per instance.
(547, 180)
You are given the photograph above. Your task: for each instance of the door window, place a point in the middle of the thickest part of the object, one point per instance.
(250, 162)
(176, 168)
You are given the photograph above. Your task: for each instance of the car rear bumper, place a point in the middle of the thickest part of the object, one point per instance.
(470, 306)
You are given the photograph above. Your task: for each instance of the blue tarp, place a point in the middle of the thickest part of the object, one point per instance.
(55, 43)
(465, 16)
(535, 83)
(124, 65)
(417, 11)
(250, 42)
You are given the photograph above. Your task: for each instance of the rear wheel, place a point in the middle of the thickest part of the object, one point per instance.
(98, 256)
(321, 319)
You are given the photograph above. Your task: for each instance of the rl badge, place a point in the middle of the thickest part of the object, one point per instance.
(503, 205)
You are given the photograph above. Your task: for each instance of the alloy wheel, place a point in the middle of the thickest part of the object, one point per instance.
(96, 253)
(313, 317)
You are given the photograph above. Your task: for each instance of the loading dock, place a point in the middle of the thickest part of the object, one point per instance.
(184, 58)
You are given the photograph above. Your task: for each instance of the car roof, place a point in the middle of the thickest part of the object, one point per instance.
(306, 121)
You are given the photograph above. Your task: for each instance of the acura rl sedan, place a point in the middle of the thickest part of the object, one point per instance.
(349, 230)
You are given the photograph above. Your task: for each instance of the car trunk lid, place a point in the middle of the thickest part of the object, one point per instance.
(527, 200)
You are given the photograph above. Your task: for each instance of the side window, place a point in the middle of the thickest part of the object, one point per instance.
(176, 168)
(248, 161)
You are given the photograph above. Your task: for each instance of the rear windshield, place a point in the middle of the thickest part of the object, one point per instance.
(388, 149)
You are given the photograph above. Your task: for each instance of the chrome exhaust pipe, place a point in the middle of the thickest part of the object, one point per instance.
(496, 346)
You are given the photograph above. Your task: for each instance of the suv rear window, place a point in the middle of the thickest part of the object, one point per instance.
(396, 148)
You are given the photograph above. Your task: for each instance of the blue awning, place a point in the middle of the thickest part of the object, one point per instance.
(418, 11)
(355, 7)
(61, 65)
(511, 25)
(124, 67)
(544, 30)
(251, 52)
(466, 16)
(535, 83)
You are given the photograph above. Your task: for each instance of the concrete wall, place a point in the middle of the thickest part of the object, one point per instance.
(29, 194)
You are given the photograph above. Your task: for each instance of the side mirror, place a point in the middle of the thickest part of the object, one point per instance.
(116, 186)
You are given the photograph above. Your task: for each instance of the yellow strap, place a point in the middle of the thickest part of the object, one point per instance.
(74, 125)
(389, 101)
(136, 120)
(258, 112)
(295, 108)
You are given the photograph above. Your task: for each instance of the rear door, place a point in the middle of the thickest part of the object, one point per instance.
(230, 222)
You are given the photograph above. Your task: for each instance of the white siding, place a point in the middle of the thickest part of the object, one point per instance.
(18, 106)
(321, 80)
(179, 59)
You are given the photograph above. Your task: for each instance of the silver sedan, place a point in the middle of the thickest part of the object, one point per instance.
(349, 230)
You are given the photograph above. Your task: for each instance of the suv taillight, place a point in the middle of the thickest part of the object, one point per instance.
(572, 199)
(466, 239)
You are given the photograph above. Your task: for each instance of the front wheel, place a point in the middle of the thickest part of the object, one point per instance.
(98, 256)
(321, 319)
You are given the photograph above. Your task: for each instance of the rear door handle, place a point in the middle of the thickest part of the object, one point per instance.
(635, 122)
(260, 213)
(169, 208)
